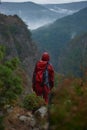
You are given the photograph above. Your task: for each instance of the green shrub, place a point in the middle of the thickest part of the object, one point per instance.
(69, 106)
(58, 79)
(10, 80)
(10, 85)
(1, 123)
(13, 63)
(33, 102)
(2, 52)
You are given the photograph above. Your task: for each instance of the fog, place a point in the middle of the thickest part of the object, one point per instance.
(73, 35)
(41, 22)
(63, 11)
(34, 25)
(36, 18)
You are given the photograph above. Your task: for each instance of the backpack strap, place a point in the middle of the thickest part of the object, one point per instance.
(47, 65)
(45, 76)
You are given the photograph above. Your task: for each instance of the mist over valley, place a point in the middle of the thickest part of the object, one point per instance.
(36, 15)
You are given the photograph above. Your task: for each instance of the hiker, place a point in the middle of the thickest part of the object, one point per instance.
(43, 77)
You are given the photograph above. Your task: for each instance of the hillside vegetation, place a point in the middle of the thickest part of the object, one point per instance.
(68, 107)
(16, 37)
(18, 54)
(73, 60)
(11, 84)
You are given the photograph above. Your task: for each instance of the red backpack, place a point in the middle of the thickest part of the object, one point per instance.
(42, 75)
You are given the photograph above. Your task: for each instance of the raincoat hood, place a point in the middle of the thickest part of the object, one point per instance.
(45, 56)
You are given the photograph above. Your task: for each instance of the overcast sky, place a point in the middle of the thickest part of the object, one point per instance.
(44, 1)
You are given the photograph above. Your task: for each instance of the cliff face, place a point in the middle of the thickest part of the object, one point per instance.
(17, 39)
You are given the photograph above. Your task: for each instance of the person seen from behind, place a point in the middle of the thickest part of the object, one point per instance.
(43, 77)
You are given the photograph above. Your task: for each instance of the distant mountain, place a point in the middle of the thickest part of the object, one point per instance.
(73, 61)
(15, 36)
(34, 15)
(55, 37)
(67, 6)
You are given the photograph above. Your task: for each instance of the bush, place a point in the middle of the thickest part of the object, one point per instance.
(1, 123)
(69, 106)
(33, 102)
(10, 81)
(10, 85)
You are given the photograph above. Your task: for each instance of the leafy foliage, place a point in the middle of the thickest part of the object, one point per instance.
(33, 102)
(13, 63)
(69, 106)
(10, 82)
(2, 52)
(1, 123)
(58, 79)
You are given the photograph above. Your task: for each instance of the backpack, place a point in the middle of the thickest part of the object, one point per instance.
(42, 76)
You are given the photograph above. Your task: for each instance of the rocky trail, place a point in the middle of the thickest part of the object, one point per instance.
(20, 119)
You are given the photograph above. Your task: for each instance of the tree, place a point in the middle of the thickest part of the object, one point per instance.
(10, 81)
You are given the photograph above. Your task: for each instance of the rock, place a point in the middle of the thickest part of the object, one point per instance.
(23, 118)
(41, 116)
(10, 109)
(42, 112)
(28, 120)
(32, 122)
(29, 114)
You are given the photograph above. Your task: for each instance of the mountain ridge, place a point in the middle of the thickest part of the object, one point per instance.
(16, 37)
(30, 12)
(54, 37)
(72, 5)
(34, 15)
(73, 59)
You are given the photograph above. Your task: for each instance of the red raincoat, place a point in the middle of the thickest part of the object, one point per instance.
(36, 85)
